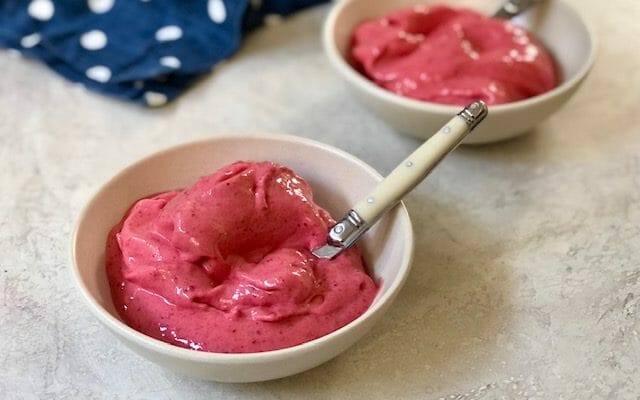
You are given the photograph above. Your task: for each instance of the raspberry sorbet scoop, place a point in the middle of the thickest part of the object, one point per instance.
(226, 265)
(452, 56)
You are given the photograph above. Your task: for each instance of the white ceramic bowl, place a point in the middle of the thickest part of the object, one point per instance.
(555, 23)
(338, 180)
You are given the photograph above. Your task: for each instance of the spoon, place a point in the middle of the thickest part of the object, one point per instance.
(401, 181)
(512, 8)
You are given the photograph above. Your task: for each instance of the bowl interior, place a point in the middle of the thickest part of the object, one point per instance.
(338, 181)
(557, 25)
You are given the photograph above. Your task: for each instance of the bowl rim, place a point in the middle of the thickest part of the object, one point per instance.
(155, 345)
(354, 77)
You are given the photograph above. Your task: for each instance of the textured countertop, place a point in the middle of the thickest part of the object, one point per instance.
(526, 281)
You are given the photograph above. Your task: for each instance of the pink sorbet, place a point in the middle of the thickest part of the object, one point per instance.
(452, 56)
(225, 266)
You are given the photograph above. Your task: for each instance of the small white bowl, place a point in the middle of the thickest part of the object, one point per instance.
(565, 33)
(338, 181)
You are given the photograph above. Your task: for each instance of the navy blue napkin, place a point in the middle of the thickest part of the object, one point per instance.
(148, 51)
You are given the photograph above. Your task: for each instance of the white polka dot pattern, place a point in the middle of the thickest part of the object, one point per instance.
(100, 6)
(146, 51)
(99, 73)
(42, 10)
(155, 99)
(30, 41)
(217, 11)
(93, 40)
(171, 62)
(168, 33)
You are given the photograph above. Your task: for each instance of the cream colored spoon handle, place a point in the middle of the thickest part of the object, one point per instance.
(412, 170)
(418, 165)
(401, 180)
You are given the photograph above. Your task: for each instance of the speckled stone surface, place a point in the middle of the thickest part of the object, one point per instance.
(526, 282)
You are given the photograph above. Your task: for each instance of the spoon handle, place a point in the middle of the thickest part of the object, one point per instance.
(511, 8)
(401, 180)
(415, 168)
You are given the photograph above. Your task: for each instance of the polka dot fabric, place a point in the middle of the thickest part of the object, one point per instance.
(147, 51)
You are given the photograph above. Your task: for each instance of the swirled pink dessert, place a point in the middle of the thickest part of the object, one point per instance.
(452, 56)
(225, 265)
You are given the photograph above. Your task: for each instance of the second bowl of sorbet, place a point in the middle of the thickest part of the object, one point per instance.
(414, 63)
